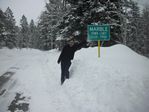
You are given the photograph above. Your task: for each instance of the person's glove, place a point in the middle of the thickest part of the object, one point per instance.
(58, 61)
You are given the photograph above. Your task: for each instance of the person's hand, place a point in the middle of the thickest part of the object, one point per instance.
(58, 61)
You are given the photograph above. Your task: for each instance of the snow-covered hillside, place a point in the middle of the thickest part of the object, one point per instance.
(118, 81)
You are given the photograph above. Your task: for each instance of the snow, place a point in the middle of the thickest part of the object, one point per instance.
(65, 29)
(76, 33)
(59, 37)
(118, 81)
(100, 9)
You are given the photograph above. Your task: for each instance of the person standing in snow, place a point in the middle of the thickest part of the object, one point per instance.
(66, 56)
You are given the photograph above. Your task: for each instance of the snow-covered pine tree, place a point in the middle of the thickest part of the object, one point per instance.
(2, 28)
(56, 11)
(33, 35)
(74, 22)
(18, 33)
(24, 33)
(86, 12)
(129, 18)
(10, 36)
(145, 27)
(49, 21)
(111, 16)
(134, 32)
(123, 14)
(43, 30)
(133, 27)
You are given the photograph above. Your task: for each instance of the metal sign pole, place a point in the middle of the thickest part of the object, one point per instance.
(99, 48)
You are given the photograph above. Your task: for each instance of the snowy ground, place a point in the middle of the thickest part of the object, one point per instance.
(118, 81)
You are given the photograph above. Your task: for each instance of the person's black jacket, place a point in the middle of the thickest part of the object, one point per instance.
(68, 52)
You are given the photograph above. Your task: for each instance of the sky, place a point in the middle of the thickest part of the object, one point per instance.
(142, 3)
(32, 8)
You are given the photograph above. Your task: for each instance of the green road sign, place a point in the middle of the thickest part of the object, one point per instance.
(98, 32)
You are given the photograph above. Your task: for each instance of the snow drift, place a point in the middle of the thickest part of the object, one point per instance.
(118, 81)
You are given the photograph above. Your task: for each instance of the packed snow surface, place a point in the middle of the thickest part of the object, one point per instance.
(118, 81)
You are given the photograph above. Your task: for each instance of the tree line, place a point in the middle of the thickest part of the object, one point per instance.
(13, 36)
(62, 18)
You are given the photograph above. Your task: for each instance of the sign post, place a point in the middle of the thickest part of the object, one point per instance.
(98, 48)
(98, 33)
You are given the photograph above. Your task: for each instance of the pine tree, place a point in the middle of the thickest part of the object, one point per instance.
(18, 36)
(123, 14)
(10, 37)
(111, 15)
(133, 25)
(55, 9)
(2, 28)
(33, 39)
(86, 12)
(43, 29)
(145, 27)
(24, 36)
(48, 23)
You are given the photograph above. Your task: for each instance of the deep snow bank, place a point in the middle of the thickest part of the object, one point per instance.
(118, 81)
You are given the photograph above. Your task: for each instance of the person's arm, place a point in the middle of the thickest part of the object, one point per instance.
(80, 45)
(60, 57)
